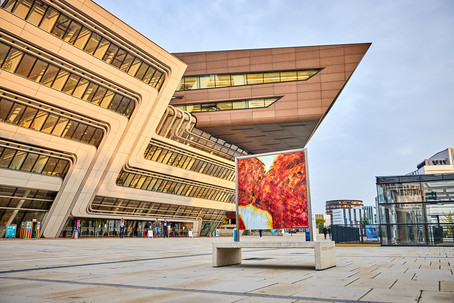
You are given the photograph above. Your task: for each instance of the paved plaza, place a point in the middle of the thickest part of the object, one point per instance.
(180, 270)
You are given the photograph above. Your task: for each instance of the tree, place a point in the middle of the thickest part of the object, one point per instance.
(364, 221)
(320, 223)
(448, 218)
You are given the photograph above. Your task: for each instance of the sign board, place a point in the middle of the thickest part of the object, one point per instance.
(272, 191)
(372, 232)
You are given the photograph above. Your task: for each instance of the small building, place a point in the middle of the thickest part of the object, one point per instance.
(418, 209)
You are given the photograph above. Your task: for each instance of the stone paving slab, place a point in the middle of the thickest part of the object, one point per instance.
(436, 296)
(179, 270)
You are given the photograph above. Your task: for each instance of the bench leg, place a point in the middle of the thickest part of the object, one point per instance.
(226, 256)
(325, 255)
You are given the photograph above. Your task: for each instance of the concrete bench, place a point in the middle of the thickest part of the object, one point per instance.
(230, 253)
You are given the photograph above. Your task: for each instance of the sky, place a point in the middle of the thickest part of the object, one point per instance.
(396, 110)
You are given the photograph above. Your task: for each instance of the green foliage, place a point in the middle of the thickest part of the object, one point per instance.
(320, 223)
(364, 221)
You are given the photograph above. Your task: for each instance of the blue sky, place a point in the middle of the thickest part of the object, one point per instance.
(396, 110)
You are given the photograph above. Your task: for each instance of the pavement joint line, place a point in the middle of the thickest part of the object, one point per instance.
(393, 284)
(203, 291)
(365, 294)
(420, 295)
(351, 282)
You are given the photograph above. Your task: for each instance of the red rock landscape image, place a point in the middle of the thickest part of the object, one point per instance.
(276, 197)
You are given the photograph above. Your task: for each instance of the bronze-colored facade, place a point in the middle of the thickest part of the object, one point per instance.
(289, 122)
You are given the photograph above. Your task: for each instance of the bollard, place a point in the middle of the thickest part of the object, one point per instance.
(235, 235)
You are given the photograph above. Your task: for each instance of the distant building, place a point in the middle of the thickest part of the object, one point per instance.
(336, 204)
(418, 208)
(440, 163)
(353, 216)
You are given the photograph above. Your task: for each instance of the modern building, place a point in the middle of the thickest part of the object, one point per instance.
(99, 123)
(340, 204)
(353, 217)
(418, 208)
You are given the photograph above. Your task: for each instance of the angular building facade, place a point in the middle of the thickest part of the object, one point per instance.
(98, 123)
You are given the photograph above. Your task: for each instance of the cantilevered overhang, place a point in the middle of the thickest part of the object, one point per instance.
(301, 104)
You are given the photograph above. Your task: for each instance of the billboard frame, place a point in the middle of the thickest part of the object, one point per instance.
(306, 168)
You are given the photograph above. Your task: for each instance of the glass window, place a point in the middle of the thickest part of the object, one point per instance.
(92, 43)
(238, 79)
(223, 81)
(50, 166)
(115, 102)
(305, 74)
(110, 53)
(123, 105)
(271, 77)
(22, 8)
(4, 49)
(224, 106)
(5, 107)
(142, 70)
(191, 83)
(70, 129)
(255, 78)
(49, 19)
(102, 48)
(88, 134)
(72, 32)
(82, 38)
(37, 13)
(49, 124)
(70, 85)
(60, 80)
(208, 107)
(97, 98)
(288, 76)
(80, 88)
(60, 168)
(60, 127)
(18, 160)
(50, 75)
(256, 103)
(27, 117)
(119, 57)
(25, 65)
(127, 63)
(134, 66)
(9, 5)
(7, 157)
(29, 162)
(39, 120)
(154, 80)
(38, 70)
(149, 74)
(129, 108)
(16, 113)
(97, 136)
(90, 92)
(107, 99)
(12, 60)
(79, 132)
(40, 163)
(207, 81)
(61, 26)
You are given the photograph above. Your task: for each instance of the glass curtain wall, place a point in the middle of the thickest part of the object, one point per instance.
(417, 213)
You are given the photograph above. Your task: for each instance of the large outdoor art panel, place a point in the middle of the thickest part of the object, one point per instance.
(272, 191)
